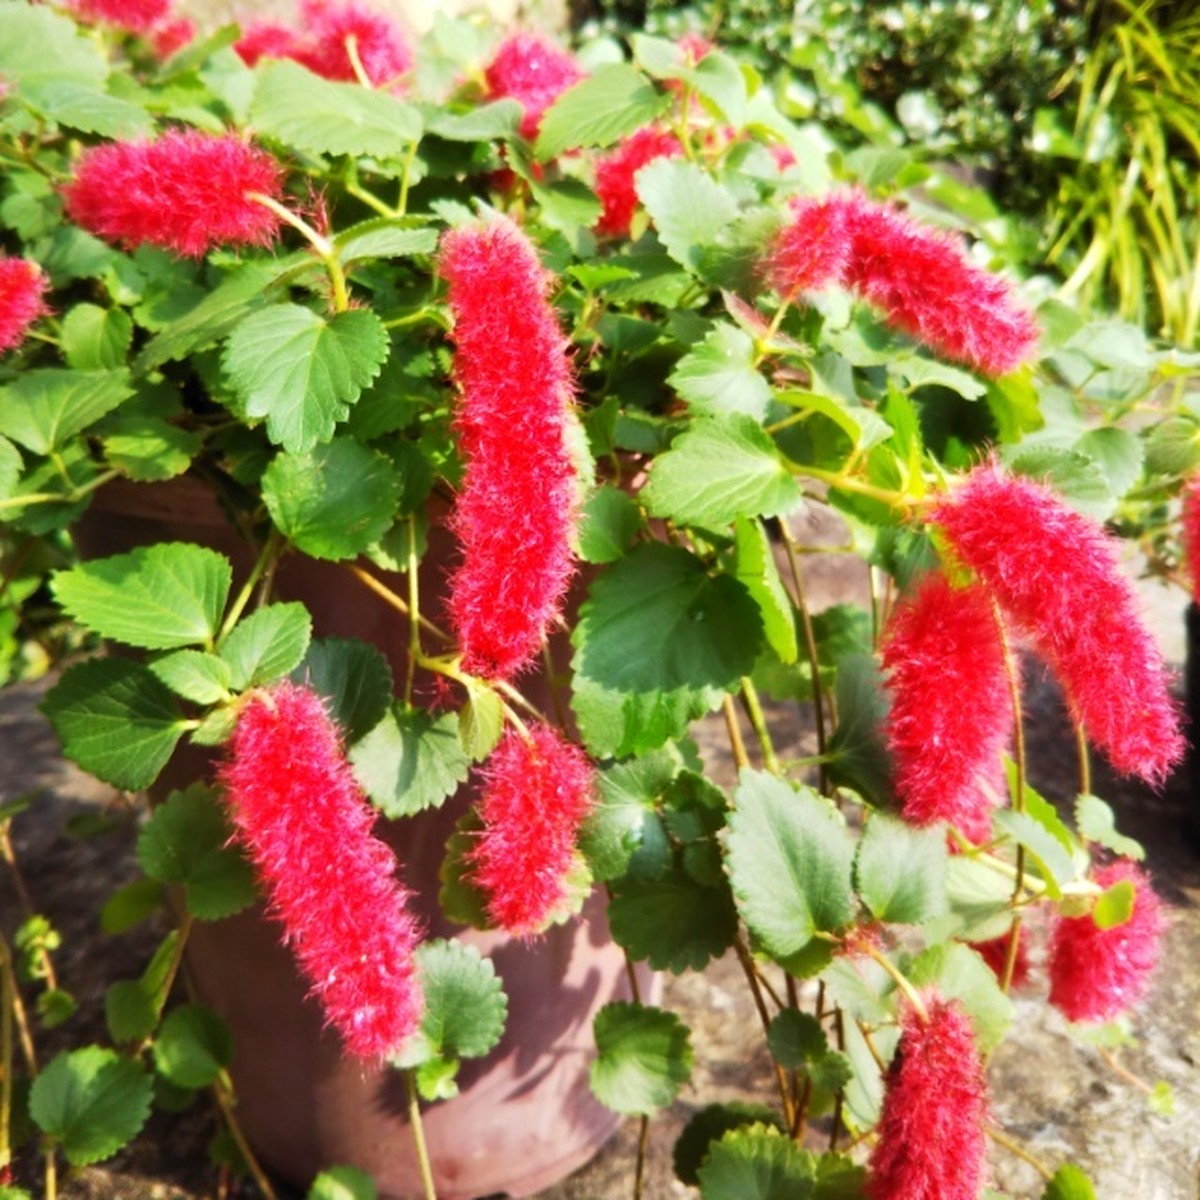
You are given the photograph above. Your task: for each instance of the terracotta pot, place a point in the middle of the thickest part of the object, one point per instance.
(525, 1116)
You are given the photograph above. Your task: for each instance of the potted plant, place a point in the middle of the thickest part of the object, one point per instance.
(524, 346)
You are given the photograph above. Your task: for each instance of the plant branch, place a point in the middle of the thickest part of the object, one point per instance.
(418, 1132)
(753, 979)
(1014, 1147)
(810, 649)
(758, 723)
(224, 1095)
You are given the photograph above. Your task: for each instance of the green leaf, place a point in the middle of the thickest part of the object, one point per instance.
(927, 372)
(960, 974)
(755, 569)
(1118, 453)
(1077, 478)
(719, 470)
(318, 116)
(498, 119)
(195, 675)
(711, 1124)
(130, 1011)
(354, 678)
(789, 859)
(131, 904)
(193, 1046)
(1114, 906)
(480, 721)
(1096, 822)
(599, 110)
(90, 1102)
(719, 376)
(1054, 863)
(864, 427)
(301, 371)
(343, 1183)
(88, 109)
(858, 758)
(900, 871)
(619, 826)
(796, 1038)
(410, 761)
(334, 501)
(384, 237)
(115, 720)
(672, 922)
(95, 338)
(690, 211)
(41, 410)
(149, 450)
(156, 597)
(756, 1163)
(719, 80)
(1069, 1183)
(656, 642)
(42, 47)
(267, 644)
(187, 842)
(643, 1058)
(610, 522)
(55, 1006)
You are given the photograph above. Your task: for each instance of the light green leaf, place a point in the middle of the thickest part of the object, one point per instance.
(322, 117)
(42, 47)
(1118, 453)
(864, 427)
(480, 721)
(599, 110)
(90, 1102)
(384, 237)
(928, 372)
(41, 410)
(267, 644)
(10, 467)
(1097, 823)
(499, 119)
(719, 376)
(755, 569)
(115, 720)
(719, 79)
(353, 677)
(1077, 478)
(960, 974)
(1069, 1183)
(302, 372)
(88, 109)
(334, 501)
(410, 761)
(672, 922)
(719, 470)
(156, 597)
(789, 859)
(1114, 906)
(149, 450)
(95, 338)
(611, 520)
(756, 1163)
(343, 1183)
(195, 675)
(900, 871)
(690, 210)
(193, 1046)
(643, 1058)
(1055, 864)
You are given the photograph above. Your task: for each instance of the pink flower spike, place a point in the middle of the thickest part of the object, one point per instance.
(307, 828)
(382, 49)
(534, 70)
(22, 291)
(616, 175)
(267, 39)
(515, 517)
(187, 191)
(138, 16)
(1097, 974)
(941, 644)
(172, 35)
(932, 1144)
(537, 793)
(1055, 573)
(1190, 535)
(813, 249)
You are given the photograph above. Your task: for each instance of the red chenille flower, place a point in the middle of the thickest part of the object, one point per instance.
(139, 16)
(941, 645)
(22, 288)
(172, 35)
(812, 250)
(1097, 974)
(382, 49)
(267, 39)
(515, 515)
(328, 880)
(994, 952)
(187, 191)
(1190, 534)
(1055, 573)
(616, 173)
(932, 1144)
(536, 794)
(532, 69)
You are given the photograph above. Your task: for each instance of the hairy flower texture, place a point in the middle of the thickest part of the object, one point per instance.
(536, 794)
(1097, 974)
(187, 191)
(941, 645)
(994, 952)
(22, 288)
(329, 881)
(534, 70)
(516, 512)
(1055, 573)
(382, 49)
(139, 16)
(267, 39)
(932, 1144)
(1190, 534)
(812, 250)
(172, 35)
(616, 175)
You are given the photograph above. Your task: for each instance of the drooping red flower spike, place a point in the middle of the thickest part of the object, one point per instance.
(188, 192)
(172, 35)
(941, 643)
(22, 291)
(1190, 531)
(307, 828)
(381, 47)
(516, 513)
(531, 68)
(267, 39)
(1055, 574)
(994, 952)
(537, 793)
(138, 16)
(812, 250)
(932, 1144)
(1097, 974)
(616, 176)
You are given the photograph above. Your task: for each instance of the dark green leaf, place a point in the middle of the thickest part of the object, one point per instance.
(148, 450)
(755, 569)
(353, 677)
(643, 1057)
(1069, 1183)
(193, 1046)
(711, 1124)
(267, 644)
(41, 410)
(130, 1011)
(131, 904)
(115, 720)
(599, 110)
(672, 922)
(756, 1163)
(90, 1102)
(690, 211)
(611, 519)
(900, 871)
(796, 1038)
(55, 1006)
(858, 758)
(615, 831)
(719, 376)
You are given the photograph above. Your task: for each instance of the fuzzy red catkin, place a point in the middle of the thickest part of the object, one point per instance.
(307, 829)
(616, 174)
(186, 191)
(381, 48)
(931, 1139)
(516, 513)
(1055, 573)
(532, 69)
(22, 288)
(940, 645)
(537, 793)
(139, 16)
(1097, 974)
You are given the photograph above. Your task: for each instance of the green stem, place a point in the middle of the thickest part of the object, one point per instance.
(369, 199)
(418, 1130)
(405, 175)
(223, 1093)
(415, 654)
(736, 744)
(639, 1169)
(758, 723)
(847, 483)
(751, 973)
(1002, 1139)
(901, 980)
(810, 649)
(324, 248)
(67, 497)
(272, 547)
(384, 592)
